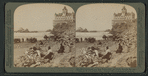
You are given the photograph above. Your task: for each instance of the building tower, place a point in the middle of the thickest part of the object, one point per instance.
(123, 17)
(124, 11)
(65, 11)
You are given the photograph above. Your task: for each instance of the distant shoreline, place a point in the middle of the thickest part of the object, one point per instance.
(91, 31)
(30, 32)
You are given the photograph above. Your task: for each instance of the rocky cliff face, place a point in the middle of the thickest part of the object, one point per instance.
(127, 37)
(127, 34)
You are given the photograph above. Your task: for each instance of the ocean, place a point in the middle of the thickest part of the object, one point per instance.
(40, 35)
(97, 35)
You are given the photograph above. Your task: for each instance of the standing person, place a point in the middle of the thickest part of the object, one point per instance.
(81, 39)
(22, 39)
(49, 54)
(107, 54)
(27, 39)
(119, 50)
(45, 37)
(85, 39)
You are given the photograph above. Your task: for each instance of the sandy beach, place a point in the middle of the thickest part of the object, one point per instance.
(20, 48)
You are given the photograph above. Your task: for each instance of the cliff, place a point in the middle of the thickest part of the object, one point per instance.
(127, 34)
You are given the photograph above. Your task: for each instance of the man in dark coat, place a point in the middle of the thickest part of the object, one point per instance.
(81, 40)
(22, 39)
(49, 54)
(62, 48)
(119, 50)
(107, 55)
(41, 43)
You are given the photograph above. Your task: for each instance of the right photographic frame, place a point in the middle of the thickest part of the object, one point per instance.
(106, 35)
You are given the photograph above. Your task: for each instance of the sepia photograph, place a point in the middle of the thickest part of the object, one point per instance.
(43, 35)
(54, 35)
(106, 36)
(74, 37)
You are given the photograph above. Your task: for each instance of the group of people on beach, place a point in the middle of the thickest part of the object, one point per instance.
(92, 50)
(18, 40)
(35, 50)
(107, 54)
(89, 40)
(49, 53)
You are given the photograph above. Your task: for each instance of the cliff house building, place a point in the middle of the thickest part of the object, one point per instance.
(123, 17)
(64, 17)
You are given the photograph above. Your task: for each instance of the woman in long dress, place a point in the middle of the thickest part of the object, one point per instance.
(62, 48)
(119, 50)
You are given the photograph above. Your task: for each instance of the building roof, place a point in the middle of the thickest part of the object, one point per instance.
(126, 14)
(59, 14)
(118, 14)
(68, 14)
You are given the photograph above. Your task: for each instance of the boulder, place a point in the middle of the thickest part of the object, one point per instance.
(132, 61)
(125, 49)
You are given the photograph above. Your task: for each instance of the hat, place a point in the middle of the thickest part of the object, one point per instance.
(92, 48)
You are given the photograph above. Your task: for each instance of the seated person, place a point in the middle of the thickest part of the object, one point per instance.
(93, 51)
(107, 54)
(41, 43)
(88, 52)
(96, 52)
(49, 54)
(62, 48)
(119, 50)
(37, 51)
(30, 49)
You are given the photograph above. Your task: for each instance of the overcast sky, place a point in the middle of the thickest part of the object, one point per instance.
(98, 16)
(40, 16)
(37, 16)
